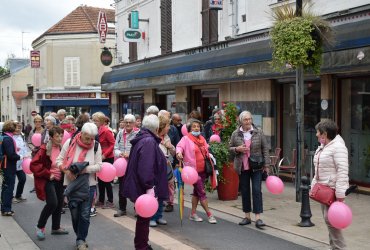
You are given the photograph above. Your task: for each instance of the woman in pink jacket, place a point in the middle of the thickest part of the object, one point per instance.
(191, 150)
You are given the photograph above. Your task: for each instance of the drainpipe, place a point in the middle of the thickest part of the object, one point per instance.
(234, 13)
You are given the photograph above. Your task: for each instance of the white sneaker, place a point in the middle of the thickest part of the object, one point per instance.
(195, 218)
(212, 219)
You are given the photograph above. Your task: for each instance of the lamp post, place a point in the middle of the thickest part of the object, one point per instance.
(299, 117)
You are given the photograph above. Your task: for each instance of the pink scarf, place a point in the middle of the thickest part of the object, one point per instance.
(72, 150)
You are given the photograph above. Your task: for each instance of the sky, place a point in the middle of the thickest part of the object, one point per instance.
(22, 21)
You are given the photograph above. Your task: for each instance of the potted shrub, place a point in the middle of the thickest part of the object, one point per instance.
(228, 179)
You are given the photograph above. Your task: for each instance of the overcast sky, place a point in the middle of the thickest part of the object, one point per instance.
(28, 19)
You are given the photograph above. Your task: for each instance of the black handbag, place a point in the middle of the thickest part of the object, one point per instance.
(256, 162)
(169, 170)
(208, 166)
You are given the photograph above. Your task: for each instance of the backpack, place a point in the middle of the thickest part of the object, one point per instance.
(2, 155)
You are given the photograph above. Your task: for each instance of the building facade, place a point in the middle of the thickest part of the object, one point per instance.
(194, 57)
(70, 63)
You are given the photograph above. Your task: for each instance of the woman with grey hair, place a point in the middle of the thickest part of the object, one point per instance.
(83, 148)
(249, 146)
(152, 110)
(145, 174)
(331, 169)
(122, 148)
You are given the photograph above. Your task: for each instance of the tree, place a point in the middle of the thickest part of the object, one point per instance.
(3, 71)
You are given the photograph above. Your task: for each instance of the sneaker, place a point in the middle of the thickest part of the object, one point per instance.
(212, 219)
(169, 208)
(99, 204)
(195, 218)
(82, 246)
(93, 212)
(152, 223)
(21, 199)
(108, 205)
(161, 221)
(60, 231)
(120, 213)
(40, 233)
(32, 190)
(15, 200)
(9, 213)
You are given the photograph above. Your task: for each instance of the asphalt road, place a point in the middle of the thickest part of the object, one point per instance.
(106, 234)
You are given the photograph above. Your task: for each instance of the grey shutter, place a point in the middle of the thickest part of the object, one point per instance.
(166, 26)
(205, 22)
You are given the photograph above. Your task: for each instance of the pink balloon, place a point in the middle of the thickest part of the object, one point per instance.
(215, 138)
(339, 215)
(120, 165)
(66, 136)
(184, 130)
(36, 139)
(107, 172)
(26, 163)
(146, 205)
(274, 184)
(189, 175)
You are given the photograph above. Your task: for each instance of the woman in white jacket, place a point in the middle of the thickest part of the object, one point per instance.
(331, 162)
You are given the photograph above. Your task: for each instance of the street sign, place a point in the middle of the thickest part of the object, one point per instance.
(215, 4)
(132, 35)
(102, 26)
(35, 58)
(134, 19)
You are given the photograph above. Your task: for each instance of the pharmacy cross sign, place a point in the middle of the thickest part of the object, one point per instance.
(102, 26)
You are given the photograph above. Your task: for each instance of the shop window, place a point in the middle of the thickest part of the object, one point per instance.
(71, 71)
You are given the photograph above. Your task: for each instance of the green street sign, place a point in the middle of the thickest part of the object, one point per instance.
(134, 19)
(132, 35)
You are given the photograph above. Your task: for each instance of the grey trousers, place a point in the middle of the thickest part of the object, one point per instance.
(336, 238)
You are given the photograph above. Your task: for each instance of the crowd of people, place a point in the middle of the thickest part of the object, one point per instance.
(65, 171)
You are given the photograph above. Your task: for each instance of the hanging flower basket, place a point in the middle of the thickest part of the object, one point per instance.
(298, 40)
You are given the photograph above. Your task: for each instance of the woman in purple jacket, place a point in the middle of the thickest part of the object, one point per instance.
(145, 174)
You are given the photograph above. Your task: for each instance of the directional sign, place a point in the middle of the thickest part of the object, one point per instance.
(102, 26)
(132, 35)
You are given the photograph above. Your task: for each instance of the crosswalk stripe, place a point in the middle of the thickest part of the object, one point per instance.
(156, 237)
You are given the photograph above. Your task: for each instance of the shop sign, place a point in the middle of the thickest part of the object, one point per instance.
(132, 35)
(102, 26)
(106, 57)
(35, 58)
(70, 95)
(215, 4)
(134, 19)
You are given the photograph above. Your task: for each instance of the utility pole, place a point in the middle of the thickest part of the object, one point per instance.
(299, 117)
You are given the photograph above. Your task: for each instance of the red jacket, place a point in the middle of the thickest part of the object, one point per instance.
(107, 141)
(40, 167)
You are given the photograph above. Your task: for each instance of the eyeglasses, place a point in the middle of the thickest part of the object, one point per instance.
(128, 122)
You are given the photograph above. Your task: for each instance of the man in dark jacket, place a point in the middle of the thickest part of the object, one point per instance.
(146, 173)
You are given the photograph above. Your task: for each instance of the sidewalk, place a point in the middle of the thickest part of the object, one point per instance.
(13, 236)
(281, 213)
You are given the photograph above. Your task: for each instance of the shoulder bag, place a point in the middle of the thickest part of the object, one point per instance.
(207, 163)
(320, 192)
(256, 162)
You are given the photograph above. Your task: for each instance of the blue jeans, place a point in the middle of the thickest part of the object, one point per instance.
(92, 195)
(80, 213)
(159, 214)
(245, 177)
(7, 191)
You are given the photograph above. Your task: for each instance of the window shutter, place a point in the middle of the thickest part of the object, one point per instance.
(166, 27)
(205, 22)
(213, 19)
(71, 71)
